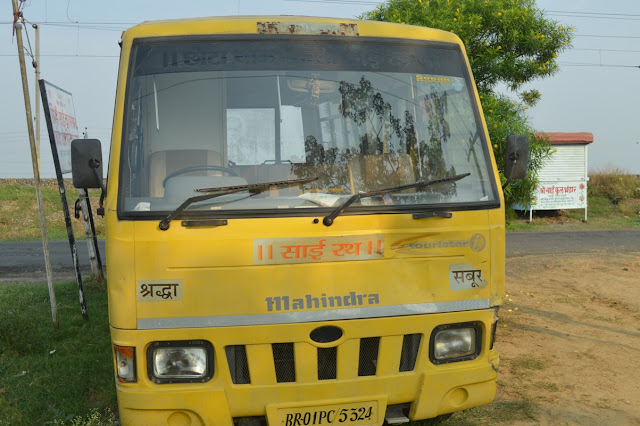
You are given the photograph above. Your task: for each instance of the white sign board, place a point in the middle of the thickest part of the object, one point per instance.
(63, 121)
(560, 195)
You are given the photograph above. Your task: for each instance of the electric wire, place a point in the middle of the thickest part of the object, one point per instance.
(593, 13)
(587, 64)
(63, 55)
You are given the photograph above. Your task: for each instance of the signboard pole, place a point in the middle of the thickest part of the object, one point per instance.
(60, 111)
(90, 233)
(36, 170)
(90, 230)
(96, 248)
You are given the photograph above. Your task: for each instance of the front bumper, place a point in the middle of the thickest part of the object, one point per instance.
(430, 390)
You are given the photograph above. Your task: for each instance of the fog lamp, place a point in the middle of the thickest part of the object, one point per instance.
(455, 342)
(180, 361)
(125, 363)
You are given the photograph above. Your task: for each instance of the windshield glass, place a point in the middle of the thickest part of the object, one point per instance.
(357, 115)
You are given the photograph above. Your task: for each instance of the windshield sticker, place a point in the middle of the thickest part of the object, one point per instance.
(457, 83)
(463, 276)
(273, 251)
(433, 79)
(442, 82)
(159, 291)
(426, 244)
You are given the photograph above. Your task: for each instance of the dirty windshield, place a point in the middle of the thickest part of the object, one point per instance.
(346, 115)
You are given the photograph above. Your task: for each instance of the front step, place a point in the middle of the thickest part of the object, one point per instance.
(395, 416)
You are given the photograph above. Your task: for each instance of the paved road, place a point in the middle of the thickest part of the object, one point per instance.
(24, 261)
(532, 243)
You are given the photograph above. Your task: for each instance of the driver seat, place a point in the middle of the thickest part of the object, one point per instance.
(162, 163)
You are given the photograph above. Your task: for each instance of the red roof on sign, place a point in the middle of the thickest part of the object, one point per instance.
(567, 138)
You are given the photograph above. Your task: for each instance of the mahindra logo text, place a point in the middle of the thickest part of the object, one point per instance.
(286, 303)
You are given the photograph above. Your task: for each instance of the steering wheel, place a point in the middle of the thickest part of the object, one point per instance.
(197, 168)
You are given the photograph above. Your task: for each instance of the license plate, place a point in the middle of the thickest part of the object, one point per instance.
(359, 413)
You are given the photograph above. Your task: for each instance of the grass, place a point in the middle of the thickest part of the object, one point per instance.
(527, 362)
(19, 219)
(74, 384)
(505, 412)
(498, 412)
(62, 376)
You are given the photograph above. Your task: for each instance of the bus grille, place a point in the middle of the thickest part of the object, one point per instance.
(284, 362)
(292, 362)
(409, 354)
(327, 363)
(368, 359)
(238, 365)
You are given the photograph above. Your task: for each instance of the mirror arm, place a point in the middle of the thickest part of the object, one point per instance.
(510, 174)
(95, 164)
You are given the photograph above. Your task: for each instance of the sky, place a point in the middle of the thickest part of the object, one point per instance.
(595, 91)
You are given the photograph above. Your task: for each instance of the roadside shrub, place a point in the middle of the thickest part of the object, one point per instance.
(630, 207)
(615, 184)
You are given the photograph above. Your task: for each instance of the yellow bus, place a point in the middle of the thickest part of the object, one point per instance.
(304, 224)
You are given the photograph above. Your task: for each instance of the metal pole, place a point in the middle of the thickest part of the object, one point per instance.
(36, 170)
(65, 206)
(90, 230)
(37, 67)
(96, 249)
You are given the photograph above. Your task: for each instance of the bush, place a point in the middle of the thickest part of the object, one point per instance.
(615, 184)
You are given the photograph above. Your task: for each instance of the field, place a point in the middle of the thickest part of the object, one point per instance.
(19, 220)
(569, 333)
(569, 340)
(49, 375)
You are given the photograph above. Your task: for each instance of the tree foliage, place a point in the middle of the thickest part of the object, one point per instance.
(509, 43)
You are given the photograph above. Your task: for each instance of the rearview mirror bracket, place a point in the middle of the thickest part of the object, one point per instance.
(516, 158)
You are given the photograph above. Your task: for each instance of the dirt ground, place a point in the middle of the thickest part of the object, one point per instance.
(569, 338)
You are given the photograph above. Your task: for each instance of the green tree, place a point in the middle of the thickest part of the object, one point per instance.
(509, 43)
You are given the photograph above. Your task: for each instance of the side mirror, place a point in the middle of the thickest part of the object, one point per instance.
(516, 161)
(86, 163)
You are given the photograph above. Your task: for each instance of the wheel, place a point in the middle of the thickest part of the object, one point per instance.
(195, 169)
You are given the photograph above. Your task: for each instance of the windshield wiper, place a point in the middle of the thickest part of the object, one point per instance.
(254, 189)
(328, 220)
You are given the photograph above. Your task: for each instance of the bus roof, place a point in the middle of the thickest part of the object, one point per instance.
(285, 24)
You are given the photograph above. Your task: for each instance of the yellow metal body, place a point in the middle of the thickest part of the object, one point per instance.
(219, 278)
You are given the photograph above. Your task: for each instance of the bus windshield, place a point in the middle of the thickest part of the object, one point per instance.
(344, 116)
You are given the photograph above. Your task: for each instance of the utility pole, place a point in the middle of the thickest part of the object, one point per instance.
(36, 65)
(34, 161)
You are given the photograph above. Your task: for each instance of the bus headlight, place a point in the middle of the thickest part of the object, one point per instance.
(455, 342)
(180, 361)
